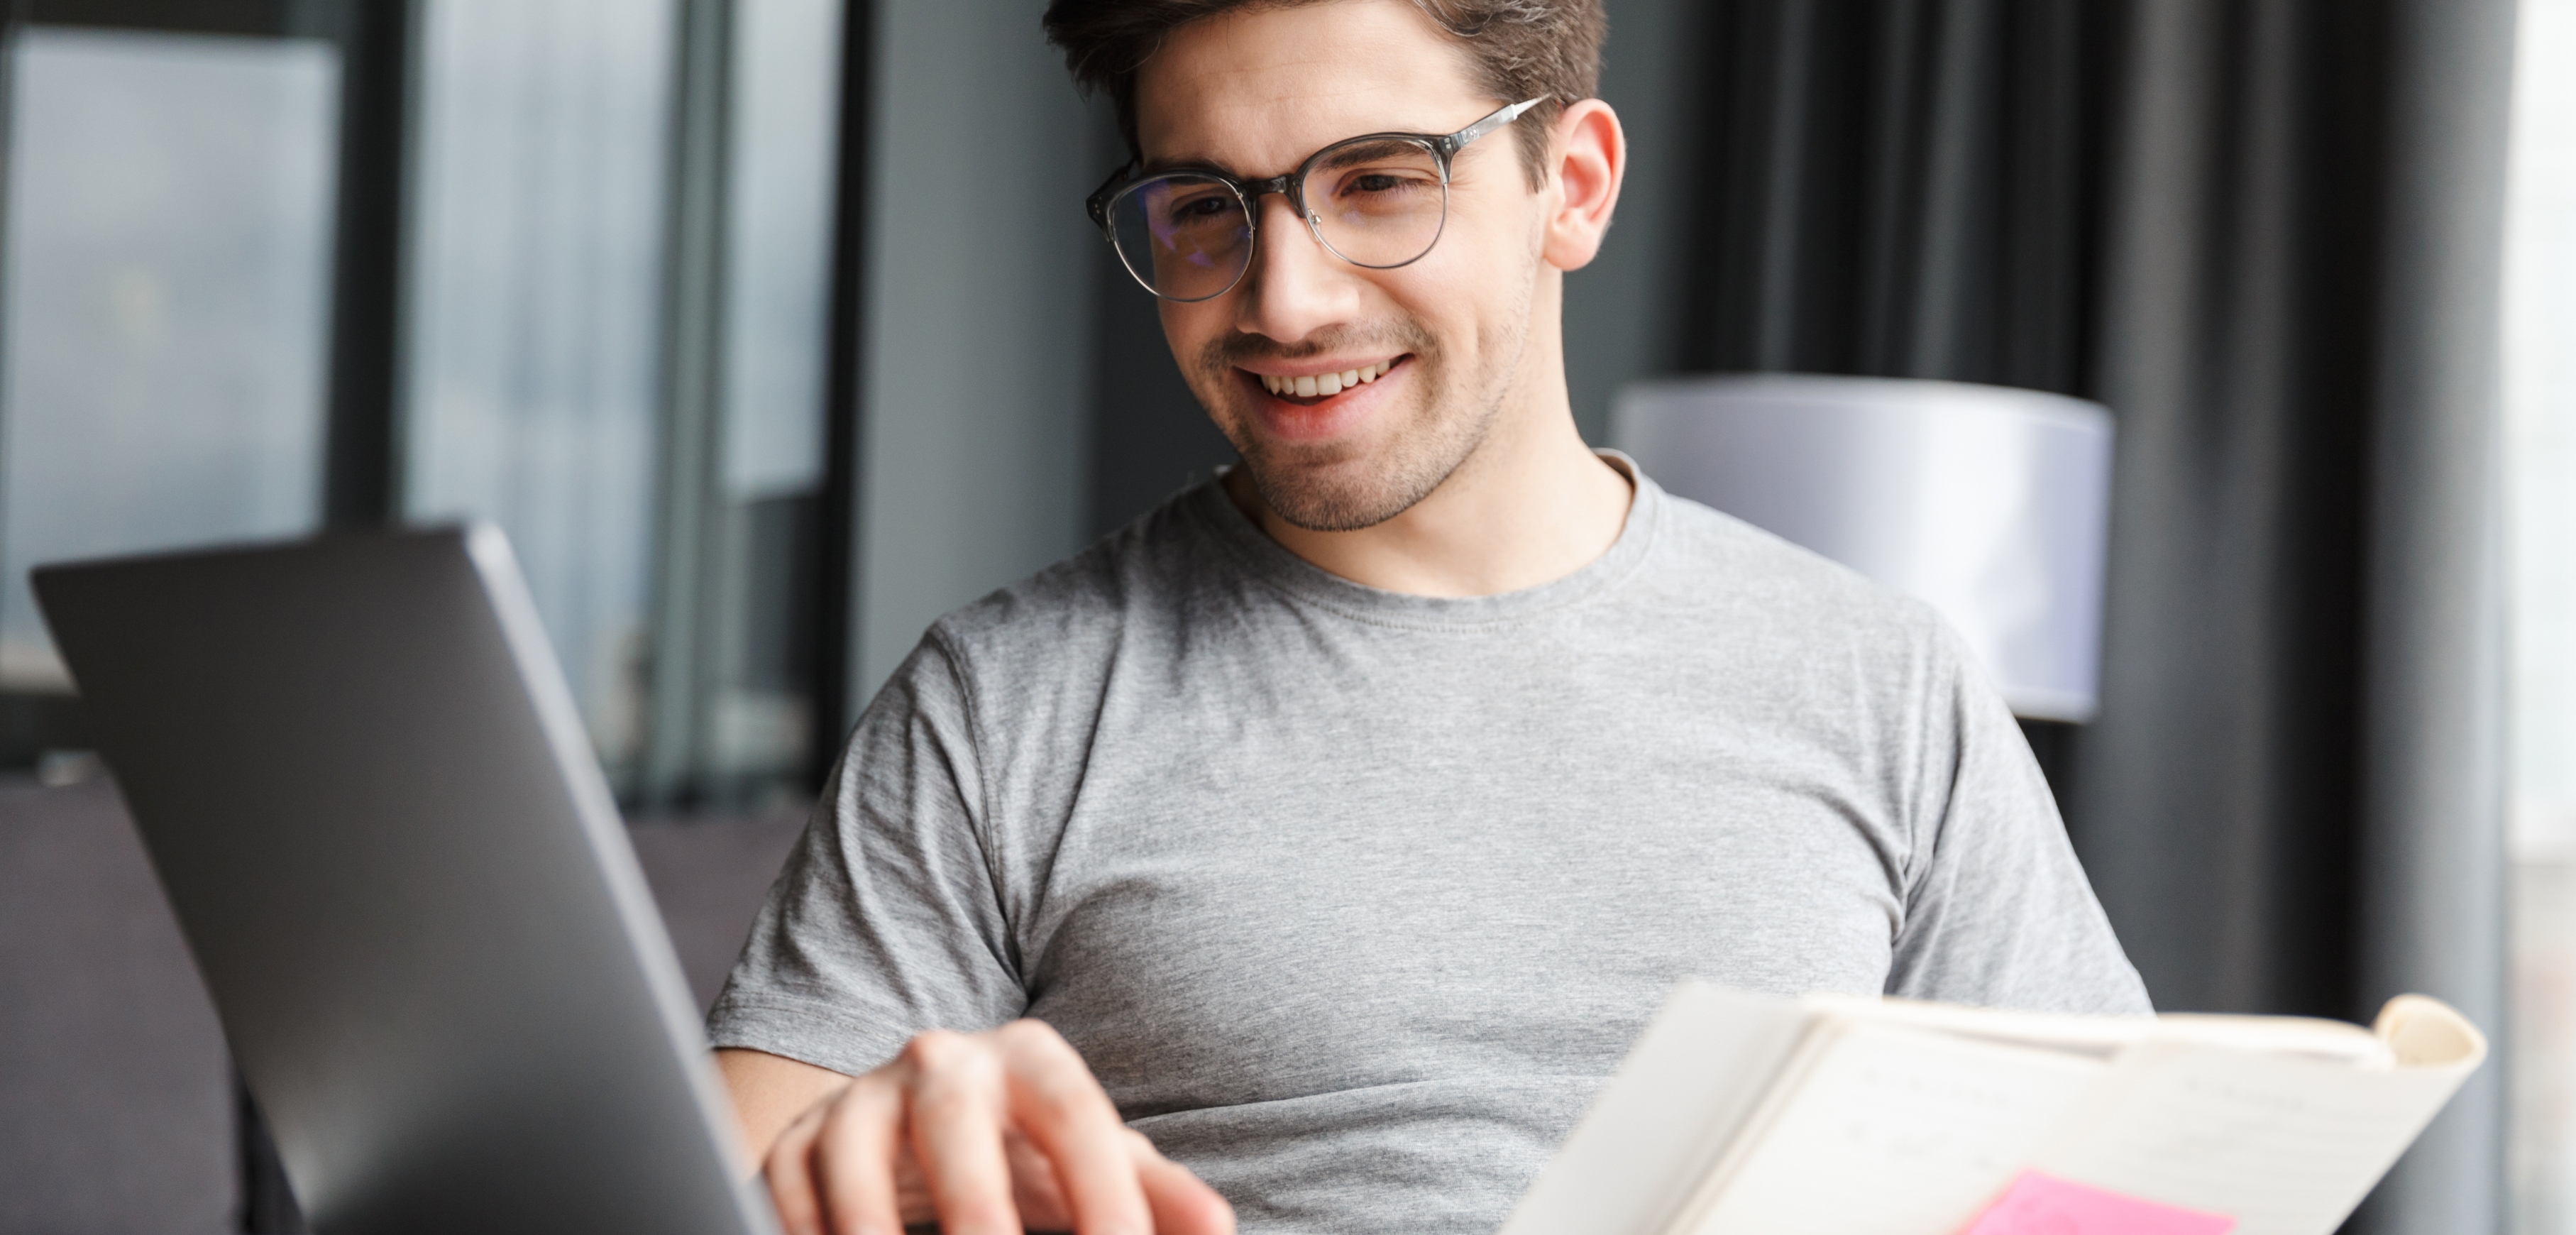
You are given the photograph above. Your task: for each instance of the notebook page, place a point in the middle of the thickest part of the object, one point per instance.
(1691, 1081)
(1899, 1131)
(2332, 1041)
(2109, 1035)
(2104, 1036)
(2288, 1145)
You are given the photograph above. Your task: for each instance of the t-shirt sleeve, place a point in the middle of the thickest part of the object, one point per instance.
(887, 920)
(1998, 911)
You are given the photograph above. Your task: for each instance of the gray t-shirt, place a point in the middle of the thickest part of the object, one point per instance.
(1352, 899)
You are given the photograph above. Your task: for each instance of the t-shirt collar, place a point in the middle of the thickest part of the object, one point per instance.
(1272, 563)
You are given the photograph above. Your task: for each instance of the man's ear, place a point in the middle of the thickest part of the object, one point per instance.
(1591, 156)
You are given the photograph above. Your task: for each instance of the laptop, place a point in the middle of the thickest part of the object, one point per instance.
(371, 800)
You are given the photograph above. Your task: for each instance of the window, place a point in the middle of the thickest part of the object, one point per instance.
(564, 265)
(759, 723)
(536, 308)
(619, 297)
(2540, 455)
(168, 246)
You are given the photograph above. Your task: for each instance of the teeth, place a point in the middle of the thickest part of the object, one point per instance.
(1326, 383)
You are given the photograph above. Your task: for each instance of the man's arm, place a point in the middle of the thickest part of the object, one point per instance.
(888, 909)
(1999, 911)
(985, 1133)
(769, 1092)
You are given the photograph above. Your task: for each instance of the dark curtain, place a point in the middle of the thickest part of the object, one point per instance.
(2266, 233)
(1900, 189)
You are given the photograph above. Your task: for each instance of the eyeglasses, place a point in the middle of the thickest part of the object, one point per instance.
(1378, 200)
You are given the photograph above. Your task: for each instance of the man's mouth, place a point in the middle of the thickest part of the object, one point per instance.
(1320, 386)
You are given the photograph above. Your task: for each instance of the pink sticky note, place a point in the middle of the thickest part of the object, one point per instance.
(2039, 1204)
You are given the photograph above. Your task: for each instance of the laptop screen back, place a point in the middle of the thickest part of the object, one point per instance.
(368, 794)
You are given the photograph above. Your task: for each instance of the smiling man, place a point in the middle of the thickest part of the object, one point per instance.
(1309, 852)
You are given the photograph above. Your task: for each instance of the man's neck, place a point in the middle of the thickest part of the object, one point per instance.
(1532, 504)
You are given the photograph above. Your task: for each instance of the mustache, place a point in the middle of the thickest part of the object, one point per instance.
(1236, 350)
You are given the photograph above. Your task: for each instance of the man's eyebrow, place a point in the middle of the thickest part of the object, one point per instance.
(1362, 151)
(1156, 167)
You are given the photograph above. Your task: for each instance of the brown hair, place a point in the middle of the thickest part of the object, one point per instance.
(1520, 49)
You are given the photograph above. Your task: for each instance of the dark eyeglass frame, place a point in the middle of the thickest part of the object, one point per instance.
(1248, 194)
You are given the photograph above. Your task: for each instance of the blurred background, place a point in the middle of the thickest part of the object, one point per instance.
(771, 329)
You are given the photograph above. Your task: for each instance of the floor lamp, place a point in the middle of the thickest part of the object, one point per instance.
(1991, 503)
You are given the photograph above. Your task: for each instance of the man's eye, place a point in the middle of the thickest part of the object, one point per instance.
(1381, 185)
(1199, 209)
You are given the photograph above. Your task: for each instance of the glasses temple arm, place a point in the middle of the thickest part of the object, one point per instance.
(1097, 205)
(1457, 141)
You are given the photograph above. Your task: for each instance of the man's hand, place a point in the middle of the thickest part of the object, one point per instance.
(985, 1134)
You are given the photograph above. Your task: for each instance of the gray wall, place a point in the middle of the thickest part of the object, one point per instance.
(978, 318)
(1624, 313)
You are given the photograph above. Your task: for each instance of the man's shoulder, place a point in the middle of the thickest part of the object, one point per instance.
(1145, 572)
(1742, 577)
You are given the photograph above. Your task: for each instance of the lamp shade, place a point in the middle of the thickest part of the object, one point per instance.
(1992, 504)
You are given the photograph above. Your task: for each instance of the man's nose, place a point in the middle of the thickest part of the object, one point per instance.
(1295, 286)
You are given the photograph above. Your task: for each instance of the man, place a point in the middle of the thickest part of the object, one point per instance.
(1335, 828)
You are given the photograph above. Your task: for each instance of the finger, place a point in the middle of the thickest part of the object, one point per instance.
(1182, 1203)
(956, 1126)
(1057, 1104)
(854, 1158)
(909, 1186)
(788, 1170)
(1033, 1185)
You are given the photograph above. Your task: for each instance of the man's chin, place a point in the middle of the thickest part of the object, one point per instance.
(1334, 495)
(1389, 448)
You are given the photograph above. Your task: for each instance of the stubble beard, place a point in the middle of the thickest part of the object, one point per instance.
(1348, 486)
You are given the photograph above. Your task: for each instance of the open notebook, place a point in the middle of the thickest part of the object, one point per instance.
(1747, 1114)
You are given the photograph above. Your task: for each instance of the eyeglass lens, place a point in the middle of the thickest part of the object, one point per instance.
(1375, 202)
